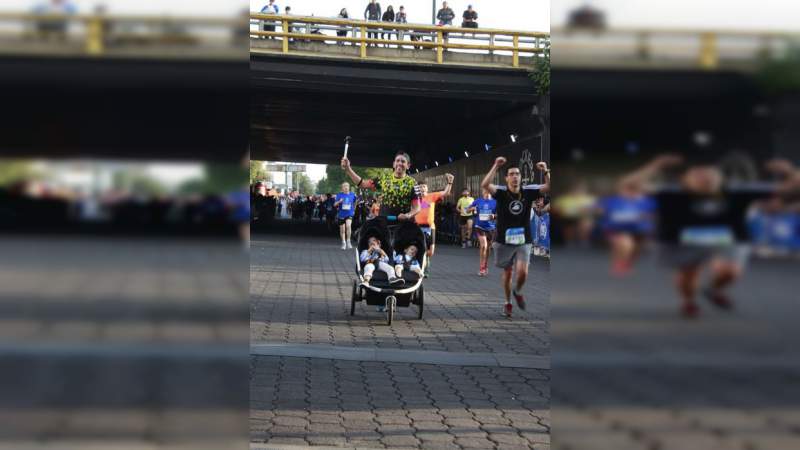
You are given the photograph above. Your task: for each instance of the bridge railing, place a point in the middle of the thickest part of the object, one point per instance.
(704, 49)
(364, 34)
(102, 34)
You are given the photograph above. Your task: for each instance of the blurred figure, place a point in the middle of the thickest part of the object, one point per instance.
(54, 28)
(541, 227)
(470, 18)
(342, 31)
(465, 217)
(587, 17)
(388, 16)
(400, 17)
(372, 13)
(628, 217)
(486, 210)
(575, 211)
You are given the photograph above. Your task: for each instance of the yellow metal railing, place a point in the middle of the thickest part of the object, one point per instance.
(97, 32)
(440, 36)
(706, 49)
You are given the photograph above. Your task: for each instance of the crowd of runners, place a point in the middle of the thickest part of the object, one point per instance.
(501, 219)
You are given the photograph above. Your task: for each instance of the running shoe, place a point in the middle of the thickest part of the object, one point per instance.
(507, 309)
(349, 246)
(690, 311)
(344, 246)
(519, 298)
(718, 299)
(463, 245)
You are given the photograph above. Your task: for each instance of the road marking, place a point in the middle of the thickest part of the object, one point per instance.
(401, 356)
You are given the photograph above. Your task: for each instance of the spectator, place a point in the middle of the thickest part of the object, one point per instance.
(400, 17)
(342, 32)
(445, 16)
(54, 27)
(470, 18)
(288, 11)
(388, 16)
(270, 8)
(373, 13)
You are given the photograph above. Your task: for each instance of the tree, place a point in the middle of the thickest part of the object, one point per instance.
(12, 171)
(541, 76)
(302, 183)
(258, 173)
(335, 176)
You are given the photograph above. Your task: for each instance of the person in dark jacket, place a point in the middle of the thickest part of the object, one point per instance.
(400, 17)
(373, 12)
(388, 16)
(342, 31)
(445, 16)
(470, 17)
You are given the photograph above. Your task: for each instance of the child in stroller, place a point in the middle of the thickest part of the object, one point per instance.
(374, 256)
(407, 260)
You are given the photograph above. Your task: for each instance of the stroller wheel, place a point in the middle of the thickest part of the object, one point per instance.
(420, 301)
(391, 303)
(354, 298)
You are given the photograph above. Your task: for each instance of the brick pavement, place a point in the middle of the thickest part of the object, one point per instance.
(300, 294)
(629, 374)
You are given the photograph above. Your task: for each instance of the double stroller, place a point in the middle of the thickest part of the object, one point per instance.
(379, 291)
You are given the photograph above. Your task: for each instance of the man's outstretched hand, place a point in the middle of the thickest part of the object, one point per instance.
(542, 166)
(345, 163)
(499, 161)
(449, 177)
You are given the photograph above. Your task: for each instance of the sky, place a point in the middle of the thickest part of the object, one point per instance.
(514, 14)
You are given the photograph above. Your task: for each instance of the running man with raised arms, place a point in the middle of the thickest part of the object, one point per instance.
(346, 203)
(512, 247)
(398, 189)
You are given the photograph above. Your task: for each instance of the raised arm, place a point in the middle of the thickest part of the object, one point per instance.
(449, 185)
(359, 182)
(645, 173)
(542, 166)
(487, 180)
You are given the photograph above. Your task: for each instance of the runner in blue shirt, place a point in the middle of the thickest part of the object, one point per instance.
(486, 210)
(346, 203)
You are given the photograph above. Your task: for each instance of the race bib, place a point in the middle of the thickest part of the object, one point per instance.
(625, 216)
(515, 236)
(707, 236)
(346, 206)
(485, 217)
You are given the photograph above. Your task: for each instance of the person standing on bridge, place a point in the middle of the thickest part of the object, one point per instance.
(373, 13)
(445, 16)
(426, 219)
(388, 16)
(346, 203)
(400, 17)
(270, 8)
(342, 31)
(398, 189)
(470, 17)
(513, 242)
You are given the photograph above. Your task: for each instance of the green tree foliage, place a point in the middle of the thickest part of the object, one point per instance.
(302, 183)
(335, 176)
(217, 179)
(541, 76)
(12, 171)
(257, 172)
(779, 76)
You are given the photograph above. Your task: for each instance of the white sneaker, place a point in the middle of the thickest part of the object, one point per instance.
(349, 246)
(344, 246)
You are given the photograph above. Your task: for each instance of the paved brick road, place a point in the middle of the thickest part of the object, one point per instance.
(300, 296)
(628, 374)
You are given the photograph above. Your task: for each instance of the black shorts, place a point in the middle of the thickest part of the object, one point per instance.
(462, 220)
(430, 234)
(488, 233)
(342, 221)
